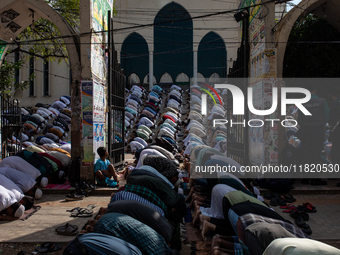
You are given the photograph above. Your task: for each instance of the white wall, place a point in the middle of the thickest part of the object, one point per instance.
(133, 12)
(59, 82)
(137, 12)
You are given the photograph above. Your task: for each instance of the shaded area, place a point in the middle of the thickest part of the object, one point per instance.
(212, 55)
(134, 56)
(173, 52)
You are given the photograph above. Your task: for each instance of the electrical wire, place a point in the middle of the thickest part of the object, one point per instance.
(150, 24)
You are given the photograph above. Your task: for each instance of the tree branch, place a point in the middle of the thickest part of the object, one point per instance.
(40, 56)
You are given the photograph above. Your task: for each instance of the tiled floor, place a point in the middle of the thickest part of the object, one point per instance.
(40, 227)
(300, 188)
(325, 223)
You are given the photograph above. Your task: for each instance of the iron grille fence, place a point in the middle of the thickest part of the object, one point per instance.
(10, 126)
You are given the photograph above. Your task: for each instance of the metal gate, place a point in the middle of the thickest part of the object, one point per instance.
(238, 148)
(10, 126)
(116, 102)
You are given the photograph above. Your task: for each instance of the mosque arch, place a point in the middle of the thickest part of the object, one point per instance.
(133, 79)
(212, 55)
(134, 55)
(173, 41)
(166, 78)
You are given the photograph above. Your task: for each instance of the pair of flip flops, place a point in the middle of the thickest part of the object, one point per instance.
(300, 222)
(73, 196)
(281, 200)
(277, 200)
(307, 207)
(67, 230)
(48, 247)
(82, 212)
(300, 216)
(296, 214)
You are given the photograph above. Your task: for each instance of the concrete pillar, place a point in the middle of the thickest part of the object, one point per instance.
(150, 70)
(269, 19)
(195, 67)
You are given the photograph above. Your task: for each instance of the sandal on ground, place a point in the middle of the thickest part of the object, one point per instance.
(274, 201)
(82, 212)
(286, 206)
(307, 207)
(289, 198)
(91, 206)
(303, 225)
(74, 196)
(281, 201)
(67, 230)
(48, 247)
(290, 209)
(296, 214)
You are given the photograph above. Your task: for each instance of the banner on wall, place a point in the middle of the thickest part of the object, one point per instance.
(254, 11)
(3, 49)
(100, 10)
(87, 122)
(263, 141)
(98, 117)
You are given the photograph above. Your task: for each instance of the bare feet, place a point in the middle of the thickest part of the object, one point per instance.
(192, 201)
(89, 228)
(197, 213)
(102, 210)
(215, 241)
(207, 227)
(203, 218)
(92, 222)
(190, 194)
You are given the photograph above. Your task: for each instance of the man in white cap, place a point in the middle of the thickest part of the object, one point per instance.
(23, 166)
(10, 194)
(22, 180)
(134, 146)
(145, 121)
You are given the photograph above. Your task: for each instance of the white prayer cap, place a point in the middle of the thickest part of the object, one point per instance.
(44, 182)
(38, 194)
(19, 212)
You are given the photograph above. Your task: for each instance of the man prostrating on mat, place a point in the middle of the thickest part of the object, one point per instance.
(104, 170)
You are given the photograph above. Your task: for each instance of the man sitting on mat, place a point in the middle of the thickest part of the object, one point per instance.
(104, 170)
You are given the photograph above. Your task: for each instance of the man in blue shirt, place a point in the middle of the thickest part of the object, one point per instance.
(104, 170)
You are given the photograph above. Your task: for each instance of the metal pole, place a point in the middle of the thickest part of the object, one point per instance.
(246, 75)
(195, 68)
(109, 51)
(150, 70)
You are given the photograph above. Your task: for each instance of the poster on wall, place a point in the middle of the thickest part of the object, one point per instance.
(87, 137)
(3, 49)
(257, 40)
(87, 121)
(98, 117)
(254, 11)
(98, 102)
(98, 58)
(263, 141)
(99, 13)
(100, 10)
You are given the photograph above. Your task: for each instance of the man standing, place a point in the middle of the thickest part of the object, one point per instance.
(311, 132)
